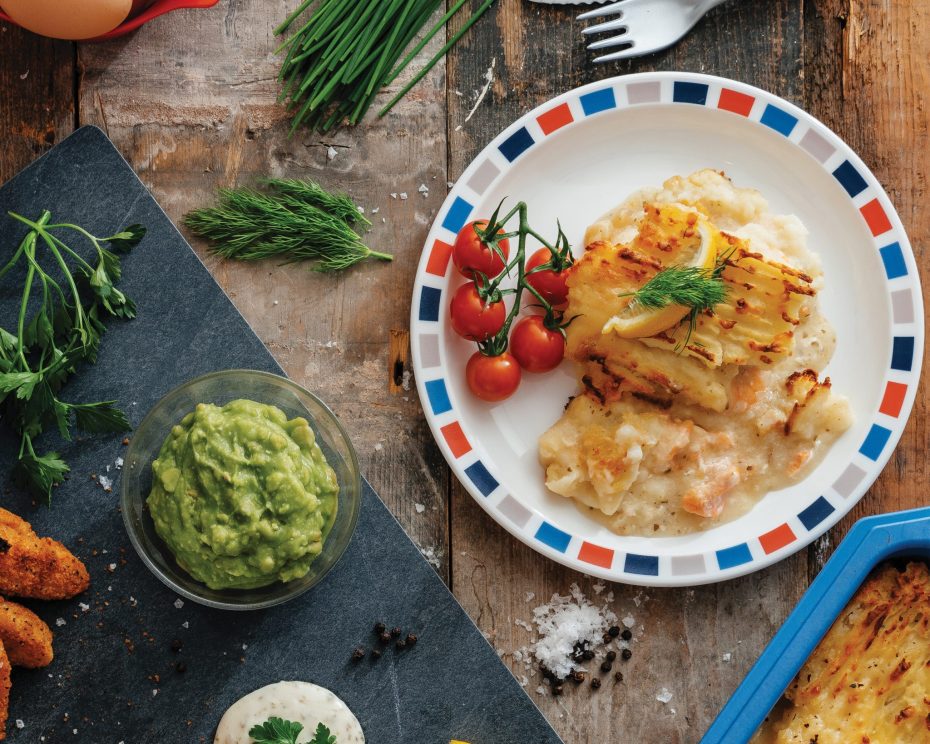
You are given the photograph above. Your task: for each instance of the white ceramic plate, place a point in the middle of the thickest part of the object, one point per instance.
(579, 155)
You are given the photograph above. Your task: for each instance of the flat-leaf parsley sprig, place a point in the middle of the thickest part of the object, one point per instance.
(70, 297)
(280, 731)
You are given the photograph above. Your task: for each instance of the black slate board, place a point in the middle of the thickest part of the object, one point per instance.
(101, 684)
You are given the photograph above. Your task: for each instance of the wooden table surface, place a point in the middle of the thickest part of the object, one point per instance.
(190, 102)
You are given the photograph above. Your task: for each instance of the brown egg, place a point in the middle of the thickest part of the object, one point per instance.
(68, 19)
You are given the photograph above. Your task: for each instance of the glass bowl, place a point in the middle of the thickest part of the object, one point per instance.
(220, 388)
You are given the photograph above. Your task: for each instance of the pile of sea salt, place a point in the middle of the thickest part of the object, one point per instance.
(566, 624)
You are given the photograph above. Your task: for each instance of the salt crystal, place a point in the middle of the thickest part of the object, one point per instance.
(449, 184)
(629, 621)
(178, 603)
(60, 622)
(378, 447)
(562, 624)
(599, 587)
(111, 567)
(403, 196)
(105, 483)
(154, 693)
(119, 463)
(331, 153)
(84, 607)
(664, 695)
(20, 724)
(360, 208)
(376, 210)
(727, 656)
(540, 690)
(424, 189)
(529, 596)
(393, 194)
(185, 624)
(420, 508)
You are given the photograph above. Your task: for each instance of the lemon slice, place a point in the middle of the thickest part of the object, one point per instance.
(635, 321)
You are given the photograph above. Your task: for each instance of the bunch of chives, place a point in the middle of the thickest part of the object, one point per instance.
(348, 50)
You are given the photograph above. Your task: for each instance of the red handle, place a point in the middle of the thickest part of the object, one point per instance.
(159, 7)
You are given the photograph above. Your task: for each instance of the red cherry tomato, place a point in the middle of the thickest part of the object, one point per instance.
(550, 284)
(471, 255)
(536, 348)
(492, 378)
(472, 317)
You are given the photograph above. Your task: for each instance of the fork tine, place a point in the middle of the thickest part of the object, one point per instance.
(622, 54)
(606, 26)
(603, 11)
(621, 38)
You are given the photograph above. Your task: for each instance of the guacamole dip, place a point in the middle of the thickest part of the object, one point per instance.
(242, 496)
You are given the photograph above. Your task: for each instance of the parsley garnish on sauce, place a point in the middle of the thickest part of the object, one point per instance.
(280, 731)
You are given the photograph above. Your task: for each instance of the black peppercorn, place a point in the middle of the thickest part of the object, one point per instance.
(595, 684)
(180, 667)
(587, 654)
(627, 634)
(618, 676)
(557, 689)
(613, 631)
(411, 639)
(385, 638)
(607, 638)
(176, 646)
(401, 643)
(380, 628)
(395, 632)
(611, 655)
(606, 666)
(626, 654)
(577, 676)
(358, 653)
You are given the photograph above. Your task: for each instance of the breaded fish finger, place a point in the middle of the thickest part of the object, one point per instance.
(28, 640)
(4, 690)
(36, 567)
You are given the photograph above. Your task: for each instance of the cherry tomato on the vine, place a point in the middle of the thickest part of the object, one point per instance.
(535, 347)
(474, 318)
(492, 378)
(550, 284)
(471, 255)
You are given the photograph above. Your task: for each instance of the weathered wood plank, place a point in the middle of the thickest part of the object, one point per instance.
(683, 636)
(190, 100)
(37, 99)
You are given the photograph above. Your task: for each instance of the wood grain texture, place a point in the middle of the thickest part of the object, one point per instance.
(192, 116)
(846, 63)
(36, 96)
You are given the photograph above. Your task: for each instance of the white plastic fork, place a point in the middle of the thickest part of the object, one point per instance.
(645, 26)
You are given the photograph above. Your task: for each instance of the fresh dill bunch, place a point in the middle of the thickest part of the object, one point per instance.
(294, 220)
(696, 288)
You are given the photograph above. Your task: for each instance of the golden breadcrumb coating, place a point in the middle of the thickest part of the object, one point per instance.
(28, 640)
(4, 690)
(36, 567)
(869, 678)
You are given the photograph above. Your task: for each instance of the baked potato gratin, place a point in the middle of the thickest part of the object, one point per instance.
(690, 414)
(868, 680)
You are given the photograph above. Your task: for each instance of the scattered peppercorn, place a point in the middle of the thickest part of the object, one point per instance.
(557, 689)
(626, 654)
(587, 654)
(627, 634)
(618, 676)
(395, 632)
(180, 667)
(411, 639)
(401, 644)
(577, 676)
(596, 684)
(177, 645)
(380, 628)
(607, 638)
(358, 653)
(606, 666)
(385, 638)
(611, 655)
(613, 631)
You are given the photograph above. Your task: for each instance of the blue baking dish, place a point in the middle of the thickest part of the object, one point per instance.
(870, 541)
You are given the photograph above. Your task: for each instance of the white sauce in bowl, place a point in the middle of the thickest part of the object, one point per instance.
(301, 702)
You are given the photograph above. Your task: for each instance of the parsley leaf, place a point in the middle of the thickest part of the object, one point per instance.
(322, 736)
(276, 731)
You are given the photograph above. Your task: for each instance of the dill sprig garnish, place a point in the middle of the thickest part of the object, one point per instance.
(294, 220)
(696, 288)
